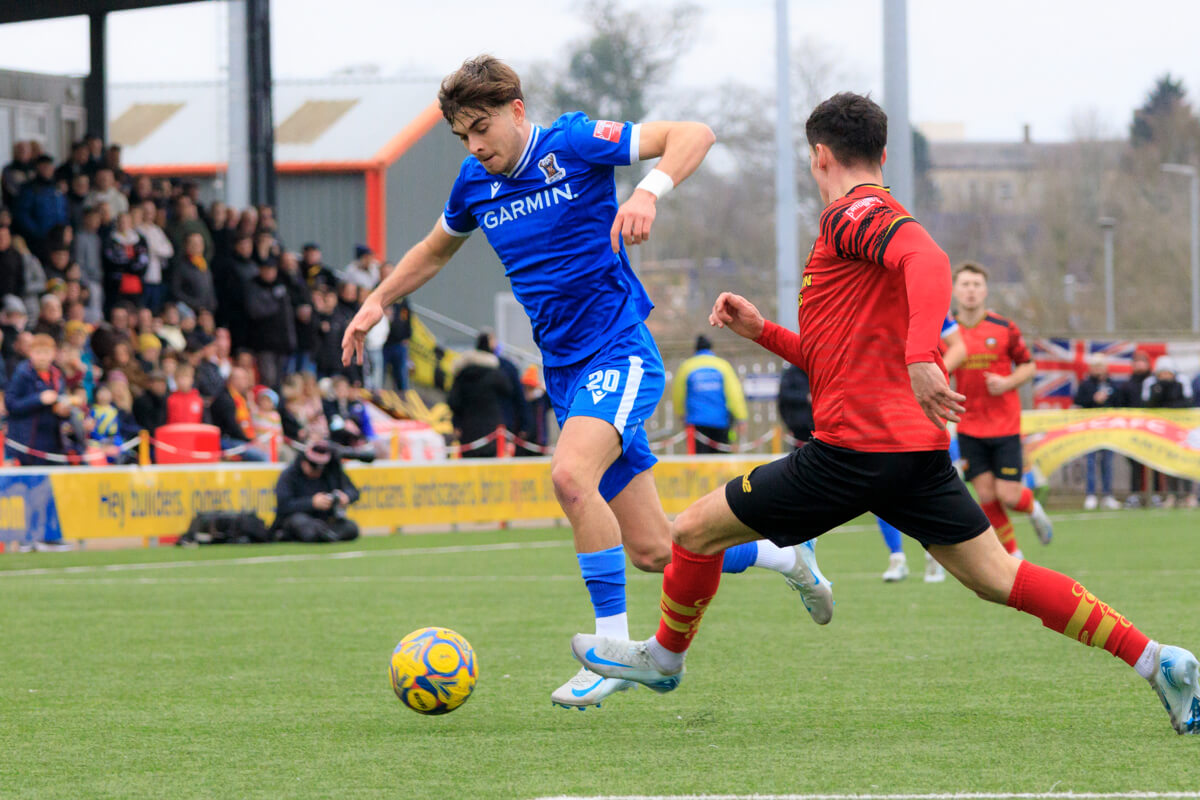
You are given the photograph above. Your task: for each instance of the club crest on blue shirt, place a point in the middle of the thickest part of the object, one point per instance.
(549, 166)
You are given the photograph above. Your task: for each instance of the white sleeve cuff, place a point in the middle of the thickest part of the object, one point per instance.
(446, 227)
(635, 143)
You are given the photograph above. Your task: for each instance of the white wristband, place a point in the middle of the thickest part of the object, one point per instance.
(657, 183)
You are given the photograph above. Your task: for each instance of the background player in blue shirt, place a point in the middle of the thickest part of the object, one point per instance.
(545, 198)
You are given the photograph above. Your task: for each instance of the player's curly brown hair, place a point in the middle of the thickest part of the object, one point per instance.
(483, 83)
(852, 125)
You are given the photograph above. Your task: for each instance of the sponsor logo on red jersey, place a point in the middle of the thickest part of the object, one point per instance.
(607, 129)
(858, 207)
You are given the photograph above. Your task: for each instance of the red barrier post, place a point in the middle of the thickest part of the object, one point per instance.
(691, 440)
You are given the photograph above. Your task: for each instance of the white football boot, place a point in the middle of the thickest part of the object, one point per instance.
(934, 572)
(1091, 502)
(623, 660)
(897, 569)
(1041, 523)
(585, 689)
(816, 592)
(1177, 682)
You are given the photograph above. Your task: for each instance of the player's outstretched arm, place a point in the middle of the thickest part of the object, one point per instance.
(419, 264)
(680, 148)
(739, 315)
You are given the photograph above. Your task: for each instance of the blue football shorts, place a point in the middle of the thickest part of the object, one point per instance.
(621, 383)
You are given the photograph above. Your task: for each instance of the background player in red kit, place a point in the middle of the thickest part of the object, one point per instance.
(989, 435)
(875, 292)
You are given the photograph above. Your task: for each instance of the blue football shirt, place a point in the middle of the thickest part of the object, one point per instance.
(548, 220)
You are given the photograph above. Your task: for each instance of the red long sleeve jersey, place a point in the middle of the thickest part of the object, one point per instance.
(875, 293)
(994, 345)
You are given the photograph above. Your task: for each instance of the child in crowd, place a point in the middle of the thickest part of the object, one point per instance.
(104, 415)
(265, 411)
(185, 403)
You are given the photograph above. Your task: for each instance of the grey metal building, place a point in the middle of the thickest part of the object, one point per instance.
(358, 161)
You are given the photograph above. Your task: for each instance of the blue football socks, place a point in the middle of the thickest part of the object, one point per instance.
(891, 536)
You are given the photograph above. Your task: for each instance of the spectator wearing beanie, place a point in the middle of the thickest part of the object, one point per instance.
(40, 206)
(269, 308)
(231, 276)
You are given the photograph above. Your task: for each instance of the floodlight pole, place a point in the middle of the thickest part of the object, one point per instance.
(898, 171)
(1110, 308)
(787, 278)
(1192, 172)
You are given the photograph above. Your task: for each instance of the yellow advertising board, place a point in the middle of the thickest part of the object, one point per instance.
(161, 501)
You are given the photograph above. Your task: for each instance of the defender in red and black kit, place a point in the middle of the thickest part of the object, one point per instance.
(989, 434)
(875, 292)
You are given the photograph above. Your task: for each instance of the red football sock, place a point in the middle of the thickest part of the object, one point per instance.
(1001, 524)
(1024, 503)
(689, 582)
(1063, 605)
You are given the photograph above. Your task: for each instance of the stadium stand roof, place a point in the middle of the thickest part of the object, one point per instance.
(345, 125)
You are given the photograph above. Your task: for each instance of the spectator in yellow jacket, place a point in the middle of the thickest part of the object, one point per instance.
(708, 395)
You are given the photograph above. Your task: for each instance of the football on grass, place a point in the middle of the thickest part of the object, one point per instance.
(434, 670)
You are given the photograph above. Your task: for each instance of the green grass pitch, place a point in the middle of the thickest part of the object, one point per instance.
(267, 678)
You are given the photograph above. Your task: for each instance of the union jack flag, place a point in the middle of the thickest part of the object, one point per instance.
(1061, 363)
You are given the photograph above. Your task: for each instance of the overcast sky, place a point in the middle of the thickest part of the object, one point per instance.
(990, 66)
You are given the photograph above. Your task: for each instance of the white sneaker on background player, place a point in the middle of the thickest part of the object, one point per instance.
(897, 569)
(934, 572)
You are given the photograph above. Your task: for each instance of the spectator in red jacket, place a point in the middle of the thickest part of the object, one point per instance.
(185, 403)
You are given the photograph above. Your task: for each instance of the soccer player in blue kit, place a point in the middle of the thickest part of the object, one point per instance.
(546, 200)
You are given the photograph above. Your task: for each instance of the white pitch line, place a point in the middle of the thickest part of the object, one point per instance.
(179, 580)
(404, 551)
(407, 551)
(947, 796)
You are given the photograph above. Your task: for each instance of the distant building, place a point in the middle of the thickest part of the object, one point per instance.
(47, 109)
(1004, 177)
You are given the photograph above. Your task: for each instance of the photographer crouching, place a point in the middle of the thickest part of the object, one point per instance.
(311, 498)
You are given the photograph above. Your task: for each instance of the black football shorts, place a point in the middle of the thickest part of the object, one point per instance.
(819, 487)
(999, 455)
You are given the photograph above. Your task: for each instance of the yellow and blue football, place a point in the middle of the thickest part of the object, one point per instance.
(434, 670)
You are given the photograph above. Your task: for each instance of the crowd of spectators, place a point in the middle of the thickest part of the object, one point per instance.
(1159, 386)
(127, 304)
